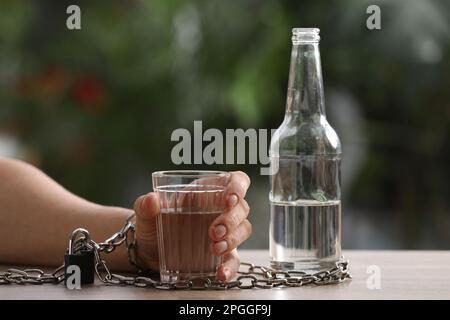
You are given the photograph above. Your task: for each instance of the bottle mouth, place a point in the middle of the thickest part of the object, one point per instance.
(305, 35)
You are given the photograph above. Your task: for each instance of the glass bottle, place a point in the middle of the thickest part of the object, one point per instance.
(305, 153)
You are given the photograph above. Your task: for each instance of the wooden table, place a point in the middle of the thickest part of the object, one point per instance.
(404, 275)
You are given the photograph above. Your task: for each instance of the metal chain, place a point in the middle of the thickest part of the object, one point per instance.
(254, 276)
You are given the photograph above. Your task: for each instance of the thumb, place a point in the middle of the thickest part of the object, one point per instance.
(146, 207)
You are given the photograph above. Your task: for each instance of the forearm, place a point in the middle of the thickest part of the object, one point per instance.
(37, 217)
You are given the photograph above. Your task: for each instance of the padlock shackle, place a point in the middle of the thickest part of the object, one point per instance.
(76, 233)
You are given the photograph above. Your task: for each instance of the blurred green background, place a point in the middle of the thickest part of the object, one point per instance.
(95, 108)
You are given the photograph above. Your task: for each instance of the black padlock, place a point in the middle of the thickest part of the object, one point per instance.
(84, 258)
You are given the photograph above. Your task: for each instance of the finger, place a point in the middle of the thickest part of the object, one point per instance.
(146, 207)
(238, 184)
(229, 221)
(230, 266)
(232, 240)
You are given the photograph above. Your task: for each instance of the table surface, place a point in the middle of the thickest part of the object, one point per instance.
(403, 274)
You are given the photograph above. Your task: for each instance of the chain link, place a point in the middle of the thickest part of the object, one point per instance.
(254, 276)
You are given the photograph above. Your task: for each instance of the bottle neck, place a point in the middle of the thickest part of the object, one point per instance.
(305, 98)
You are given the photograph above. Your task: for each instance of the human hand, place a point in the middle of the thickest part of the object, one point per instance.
(227, 232)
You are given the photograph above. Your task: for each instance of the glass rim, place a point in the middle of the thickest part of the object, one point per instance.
(186, 188)
(190, 173)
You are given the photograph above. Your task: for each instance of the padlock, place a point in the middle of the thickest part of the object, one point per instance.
(84, 258)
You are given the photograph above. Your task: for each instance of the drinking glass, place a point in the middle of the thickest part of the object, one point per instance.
(189, 202)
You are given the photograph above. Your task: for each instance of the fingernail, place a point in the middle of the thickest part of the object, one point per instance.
(227, 273)
(220, 231)
(221, 246)
(233, 200)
